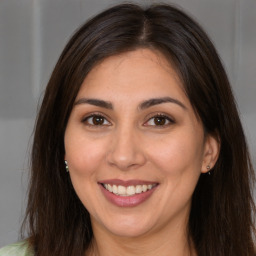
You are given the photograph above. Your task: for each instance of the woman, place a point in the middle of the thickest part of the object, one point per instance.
(140, 114)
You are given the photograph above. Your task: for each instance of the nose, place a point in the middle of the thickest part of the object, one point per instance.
(126, 150)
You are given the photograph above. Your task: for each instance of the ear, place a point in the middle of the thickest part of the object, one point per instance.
(211, 153)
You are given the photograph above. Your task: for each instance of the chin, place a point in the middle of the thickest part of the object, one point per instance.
(129, 231)
(127, 226)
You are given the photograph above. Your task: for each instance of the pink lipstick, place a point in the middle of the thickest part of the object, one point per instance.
(127, 193)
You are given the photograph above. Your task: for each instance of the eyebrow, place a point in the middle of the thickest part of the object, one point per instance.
(95, 102)
(157, 101)
(144, 105)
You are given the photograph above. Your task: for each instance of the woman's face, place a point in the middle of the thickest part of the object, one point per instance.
(134, 145)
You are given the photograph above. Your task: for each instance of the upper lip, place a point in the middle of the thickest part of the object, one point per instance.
(127, 183)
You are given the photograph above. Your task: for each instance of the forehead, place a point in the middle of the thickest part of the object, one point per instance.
(141, 71)
(141, 56)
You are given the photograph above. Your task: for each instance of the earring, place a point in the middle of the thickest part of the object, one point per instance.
(208, 169)
(66, 164)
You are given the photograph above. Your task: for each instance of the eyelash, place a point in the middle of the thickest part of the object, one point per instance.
(94, 115)
(105, 119)
(163, 116)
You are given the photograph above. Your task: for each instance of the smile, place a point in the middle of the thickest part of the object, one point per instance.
(129, 190)
(129, 193)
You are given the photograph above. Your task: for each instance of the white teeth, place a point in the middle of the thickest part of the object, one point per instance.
(121, 190)
(128, 191)
(138, 189)
(144, 188)
(114, 189)
(109, 187)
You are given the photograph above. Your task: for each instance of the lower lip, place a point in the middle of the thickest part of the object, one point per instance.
(127, 201)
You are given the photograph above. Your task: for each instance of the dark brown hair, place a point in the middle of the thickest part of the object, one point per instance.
(221, 221)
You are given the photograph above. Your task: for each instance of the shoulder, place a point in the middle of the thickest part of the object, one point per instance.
(17, 249)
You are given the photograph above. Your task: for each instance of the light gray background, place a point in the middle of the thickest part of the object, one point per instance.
(33, 34)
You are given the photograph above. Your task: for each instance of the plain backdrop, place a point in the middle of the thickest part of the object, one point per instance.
(32, 36)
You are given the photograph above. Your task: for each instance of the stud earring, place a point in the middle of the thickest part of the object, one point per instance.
(66, 164)
(208, 169)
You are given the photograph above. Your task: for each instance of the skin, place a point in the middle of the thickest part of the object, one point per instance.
(129, 145)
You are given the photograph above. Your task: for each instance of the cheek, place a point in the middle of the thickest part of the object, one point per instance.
(84, 155)
(178, 153)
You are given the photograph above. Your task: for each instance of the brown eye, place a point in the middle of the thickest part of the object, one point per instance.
(96, 120)
(160, 120)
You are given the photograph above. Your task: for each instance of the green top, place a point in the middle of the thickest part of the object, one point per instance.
(17, 249)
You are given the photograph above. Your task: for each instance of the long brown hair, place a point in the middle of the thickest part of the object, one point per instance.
(221, 221)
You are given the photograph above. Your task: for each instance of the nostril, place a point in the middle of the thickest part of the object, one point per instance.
(126, 159)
